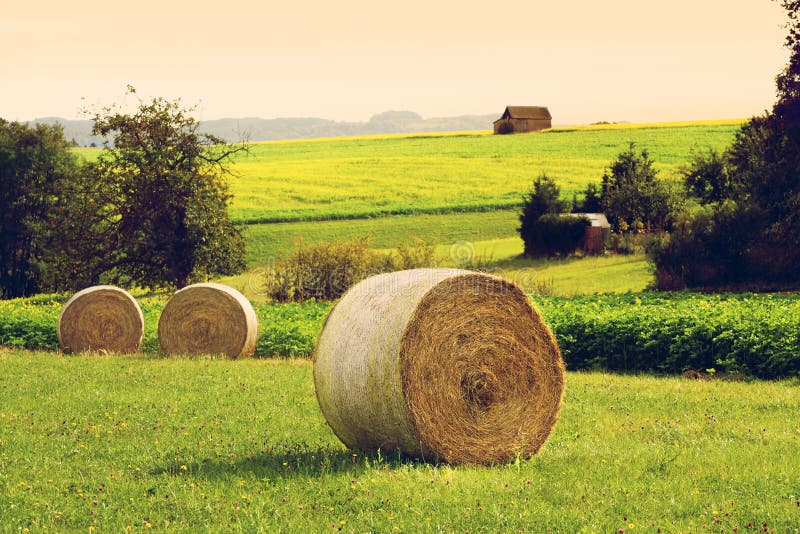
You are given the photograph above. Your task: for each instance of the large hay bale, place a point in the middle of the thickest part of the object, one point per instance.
(439, 363)
(101, 318)
(208, 319)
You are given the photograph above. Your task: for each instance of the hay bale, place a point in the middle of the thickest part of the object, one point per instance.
(208, 319)
(439, 363)
(101, 318)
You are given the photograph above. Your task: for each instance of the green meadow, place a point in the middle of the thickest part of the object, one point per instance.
(132, 444)
(440, 187)
(91, 443)
(410, 174)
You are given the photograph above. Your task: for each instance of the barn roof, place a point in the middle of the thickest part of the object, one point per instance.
(526, 112)
(596, 219)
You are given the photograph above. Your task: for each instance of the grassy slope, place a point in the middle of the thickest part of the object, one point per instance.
(381, 175)
(563, 277)
(125, 443)
(367, 176)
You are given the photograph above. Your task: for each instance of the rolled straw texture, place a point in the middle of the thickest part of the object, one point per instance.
(208, 319)
(101, 318)
(439, 363)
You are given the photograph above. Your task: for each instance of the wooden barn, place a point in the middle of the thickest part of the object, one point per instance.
(522, 119)
(596, 233)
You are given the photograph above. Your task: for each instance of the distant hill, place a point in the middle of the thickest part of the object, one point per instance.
(255, 129)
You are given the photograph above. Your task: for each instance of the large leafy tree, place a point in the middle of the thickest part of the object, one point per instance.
(632, 192)
(752, 237)
(787, 108)
(162, 192)
(36, 167)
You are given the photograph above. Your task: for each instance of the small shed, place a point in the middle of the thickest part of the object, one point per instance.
(596, 232)
(522, 119)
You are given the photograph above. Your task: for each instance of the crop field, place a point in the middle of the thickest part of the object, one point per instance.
(385, 175)
(124, 444)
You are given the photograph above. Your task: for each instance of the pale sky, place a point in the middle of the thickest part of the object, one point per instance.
(587, 60)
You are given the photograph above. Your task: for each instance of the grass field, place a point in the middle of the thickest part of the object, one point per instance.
(137, 443)
(275, 240)
(562, 277)
(124, 444)
(358, 177)
(474, 181)
(380, 175)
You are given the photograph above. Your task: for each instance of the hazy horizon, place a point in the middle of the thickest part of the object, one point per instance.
(616, 61)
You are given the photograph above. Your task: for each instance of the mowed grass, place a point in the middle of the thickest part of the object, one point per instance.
(132, 444)
(360, 177)
(266, 242)
(586, 275)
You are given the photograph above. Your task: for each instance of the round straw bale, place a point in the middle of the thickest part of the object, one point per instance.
(99, 318)
(439, 363)
(208, 319)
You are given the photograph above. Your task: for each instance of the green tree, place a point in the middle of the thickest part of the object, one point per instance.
(708, 178)
(544, 198)
(753, 238)
(165, 197)
(556, 235)
(36, 166)
(632, 192)
(591, 200)
(787, 109)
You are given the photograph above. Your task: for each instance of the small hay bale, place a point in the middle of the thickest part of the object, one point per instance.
(101, 318)
(439, 363)
(208, 319)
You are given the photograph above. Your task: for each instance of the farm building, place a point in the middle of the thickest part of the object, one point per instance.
(521, 119)
(595, 233)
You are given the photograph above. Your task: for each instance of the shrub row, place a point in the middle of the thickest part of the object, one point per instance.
(753, 335)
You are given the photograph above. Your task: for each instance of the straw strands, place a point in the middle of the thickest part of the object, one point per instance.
(439, 363)
(208, 319)
(101, 318)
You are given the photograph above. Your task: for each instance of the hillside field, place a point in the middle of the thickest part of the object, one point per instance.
(347, 178)
(441, 187)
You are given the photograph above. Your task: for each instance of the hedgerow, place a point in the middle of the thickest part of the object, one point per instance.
(754, 335)
(748, 334)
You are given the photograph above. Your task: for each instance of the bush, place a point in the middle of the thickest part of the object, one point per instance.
(418, 253)
(289, 330)
(30, 323)
(324, 271)
(753, 335)
(554, 235)
(542, 199)
(709, 248)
